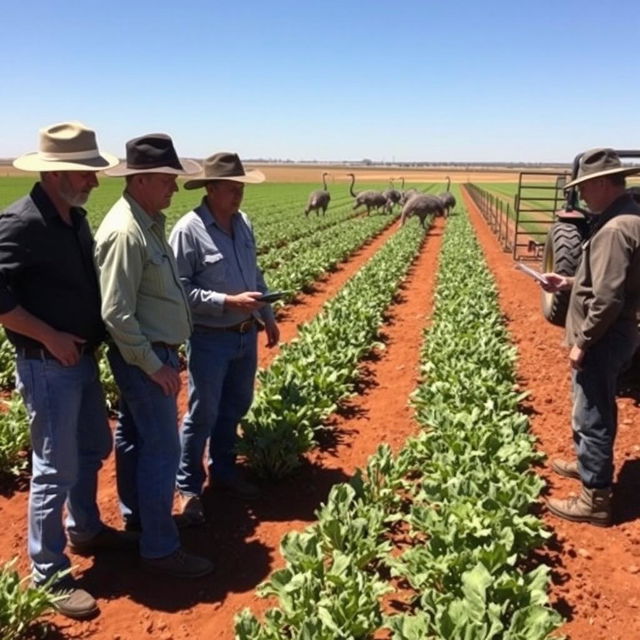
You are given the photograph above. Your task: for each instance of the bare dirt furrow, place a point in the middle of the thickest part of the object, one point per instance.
(596, 571)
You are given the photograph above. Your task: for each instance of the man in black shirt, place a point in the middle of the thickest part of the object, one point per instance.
(50, 308)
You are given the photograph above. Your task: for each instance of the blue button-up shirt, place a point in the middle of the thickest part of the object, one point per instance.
(213, 264)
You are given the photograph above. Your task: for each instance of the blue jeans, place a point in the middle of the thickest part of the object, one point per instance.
(147, 453)
(222, 368)
(70, 438)
(595, 414)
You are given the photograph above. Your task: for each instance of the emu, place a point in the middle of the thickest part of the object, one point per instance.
(370, 199)
(392, 197)
(406, 195)
(421, 205)
(319, 199)
(447, 198)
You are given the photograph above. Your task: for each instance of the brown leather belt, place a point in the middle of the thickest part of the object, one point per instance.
(40, 353)
(166, 345)
(241, 327)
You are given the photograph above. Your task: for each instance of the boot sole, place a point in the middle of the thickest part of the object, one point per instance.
(585, 520)
(76, 615)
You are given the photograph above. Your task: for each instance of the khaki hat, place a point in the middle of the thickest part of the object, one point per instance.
(66, 146)
(153, 153)
(599, 162)
(224, 166)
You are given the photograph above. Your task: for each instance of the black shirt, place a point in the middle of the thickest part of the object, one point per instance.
(46, 267)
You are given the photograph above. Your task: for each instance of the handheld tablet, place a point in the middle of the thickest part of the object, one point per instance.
(272, 296)
(536, 275)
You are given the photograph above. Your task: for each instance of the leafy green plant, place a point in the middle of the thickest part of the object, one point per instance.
(14, 435)
(7, 362)
(21, 605)
(111, 391)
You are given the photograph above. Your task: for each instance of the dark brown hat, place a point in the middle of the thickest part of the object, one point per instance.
(597, 163)
(153, 153)
(224, 166)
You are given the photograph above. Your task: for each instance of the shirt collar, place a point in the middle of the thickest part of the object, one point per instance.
(46, 207)
(141, 216)
(623, 204)
(207, 217)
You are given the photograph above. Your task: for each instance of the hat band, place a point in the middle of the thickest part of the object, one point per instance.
(70, 155)
(141, 166)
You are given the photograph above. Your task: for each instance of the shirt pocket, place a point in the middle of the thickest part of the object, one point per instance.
(249, 261)
(158, 277)
(215, 269)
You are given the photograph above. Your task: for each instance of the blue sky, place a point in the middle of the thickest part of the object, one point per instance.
(330, 80)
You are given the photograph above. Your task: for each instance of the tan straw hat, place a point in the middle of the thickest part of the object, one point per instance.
(154, 153)
(67, 146)
(597, 163)
(224, 166)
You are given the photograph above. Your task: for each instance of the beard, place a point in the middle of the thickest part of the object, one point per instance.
(70, 195)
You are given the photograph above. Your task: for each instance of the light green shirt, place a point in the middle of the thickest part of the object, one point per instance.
(142, 298)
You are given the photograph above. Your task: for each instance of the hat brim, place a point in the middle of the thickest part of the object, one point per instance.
(36, 162)
(189, 168)
(599, 174)
(250, 177)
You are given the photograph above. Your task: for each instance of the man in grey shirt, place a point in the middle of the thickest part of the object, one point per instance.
(216, 256)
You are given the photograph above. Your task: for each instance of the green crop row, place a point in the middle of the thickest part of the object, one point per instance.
(317, 369)
(300, 263)
(470, 518)
(448, 517)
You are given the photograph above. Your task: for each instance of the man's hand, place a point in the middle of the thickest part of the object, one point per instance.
(273, 332)
(556, 282)
(245, 301)
(64, 347)
(168, 379)
(576, 356)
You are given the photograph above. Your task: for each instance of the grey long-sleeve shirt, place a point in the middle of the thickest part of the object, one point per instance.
(606, 288)
(213, 264)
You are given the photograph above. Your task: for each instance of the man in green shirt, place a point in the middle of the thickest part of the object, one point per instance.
(146, 313)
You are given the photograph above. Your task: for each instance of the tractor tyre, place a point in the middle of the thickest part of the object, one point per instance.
(561, 255)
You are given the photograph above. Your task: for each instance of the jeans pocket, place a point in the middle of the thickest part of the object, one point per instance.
(167, 356)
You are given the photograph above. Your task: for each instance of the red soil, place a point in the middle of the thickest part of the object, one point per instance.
(596, 572)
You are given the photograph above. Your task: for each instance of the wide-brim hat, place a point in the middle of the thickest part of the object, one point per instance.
(153, 153)
(66, 146)
(597, 163)
(224, 166)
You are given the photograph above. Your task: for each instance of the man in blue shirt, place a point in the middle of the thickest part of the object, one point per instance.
(216, 256)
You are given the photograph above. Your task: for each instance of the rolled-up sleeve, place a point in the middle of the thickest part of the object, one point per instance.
(120, 263)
